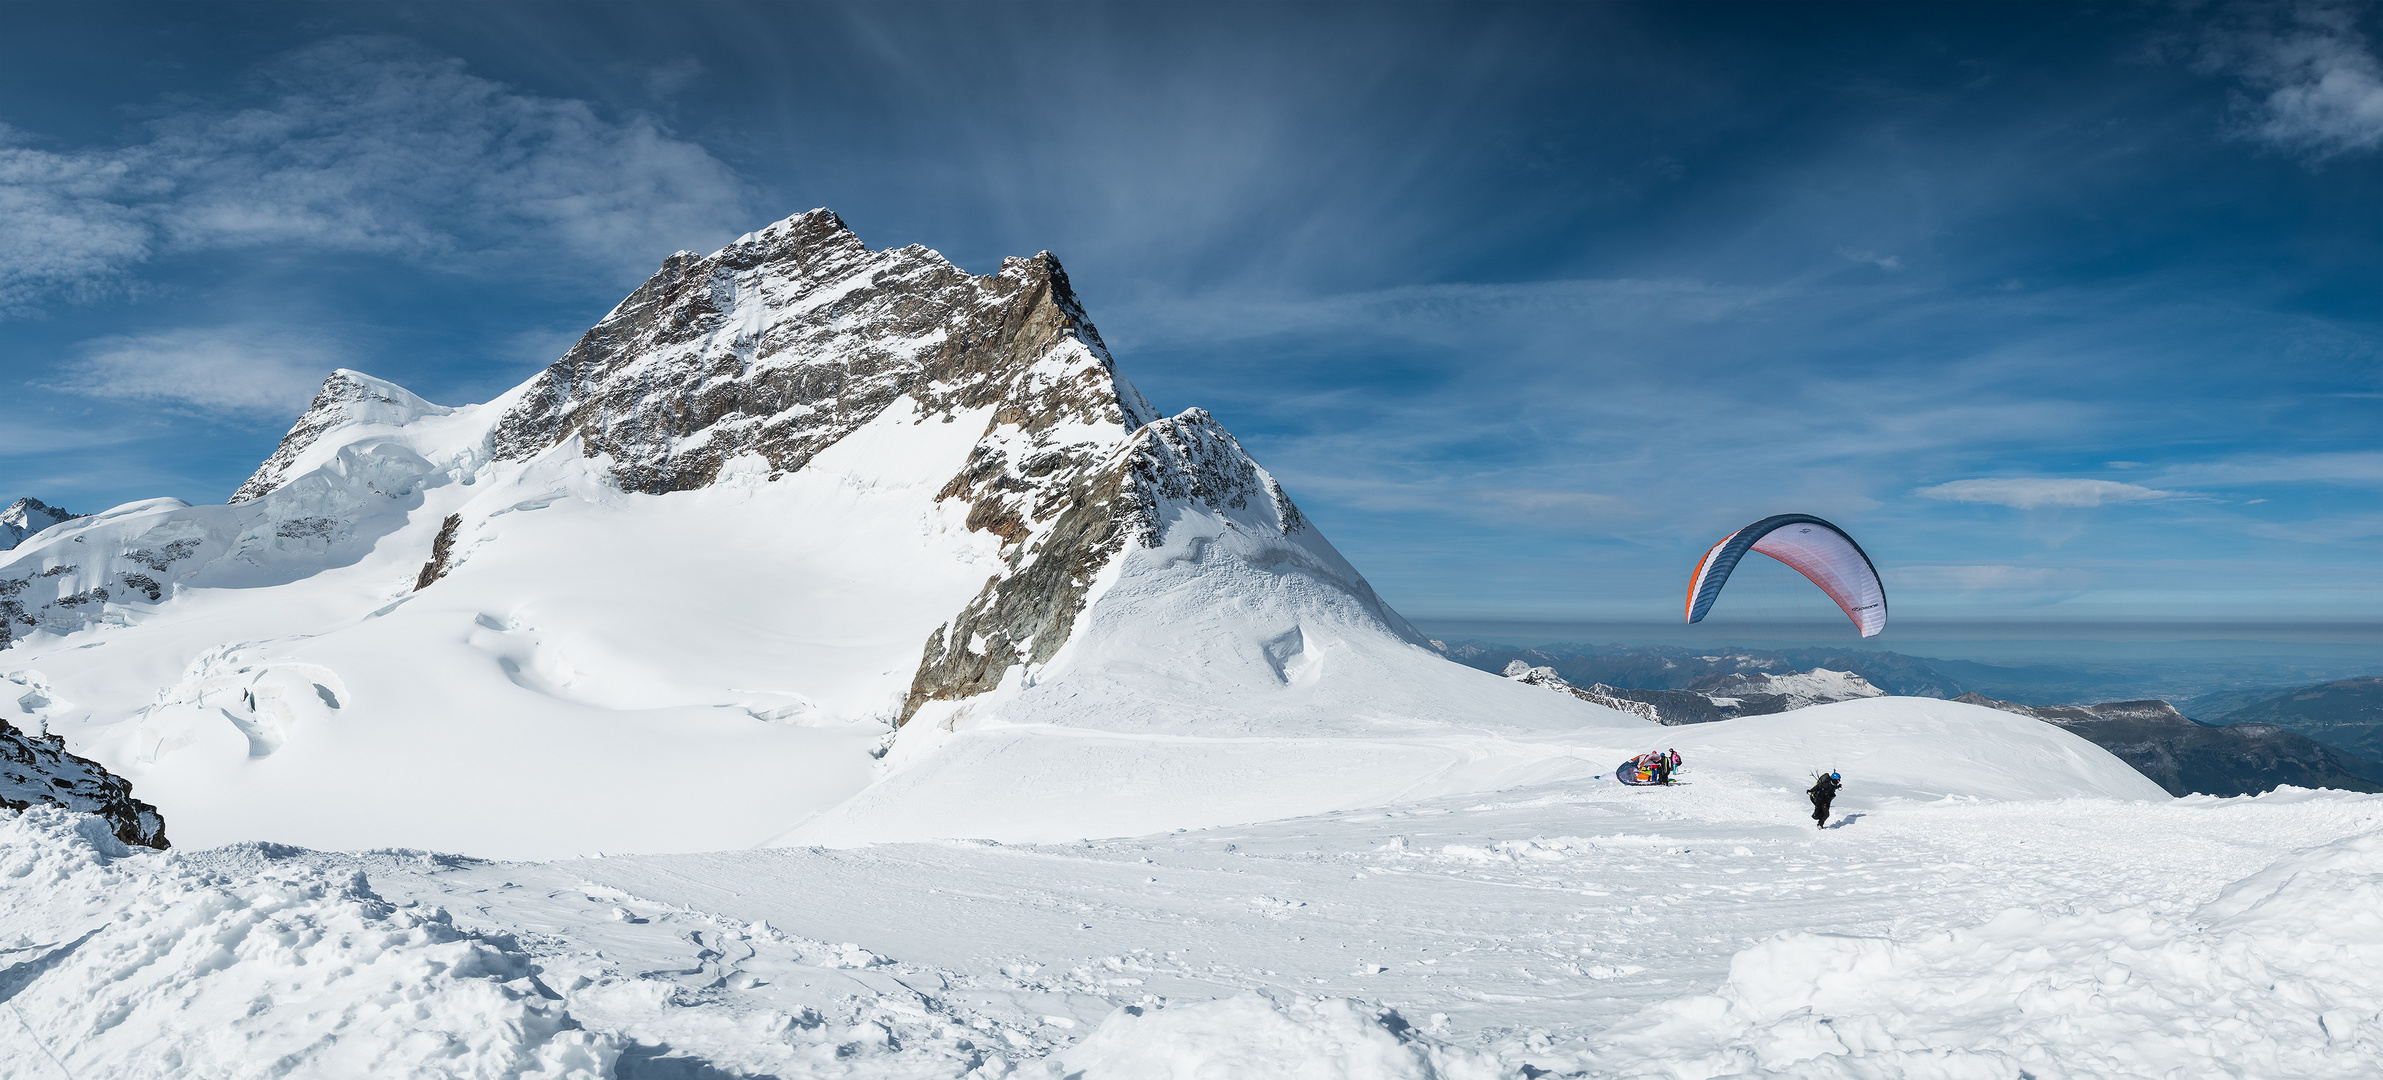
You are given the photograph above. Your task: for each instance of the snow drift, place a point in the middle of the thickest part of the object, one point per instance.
(149, 967)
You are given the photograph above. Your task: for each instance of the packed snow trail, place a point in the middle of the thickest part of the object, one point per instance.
(1583, 928)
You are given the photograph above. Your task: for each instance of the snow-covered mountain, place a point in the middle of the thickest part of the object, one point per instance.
(682, 589)
(814, 546)
(26, 517)
(1724, 696)
(1546, 678)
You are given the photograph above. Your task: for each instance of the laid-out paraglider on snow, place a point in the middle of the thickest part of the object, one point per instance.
(1814, 548)
(1650, 768)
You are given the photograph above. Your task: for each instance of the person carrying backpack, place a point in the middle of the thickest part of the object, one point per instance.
(1823, 792)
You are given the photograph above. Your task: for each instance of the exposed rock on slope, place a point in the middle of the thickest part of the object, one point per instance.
(1024, 617)
(2187, 757)
(36, 770)
(27, 516)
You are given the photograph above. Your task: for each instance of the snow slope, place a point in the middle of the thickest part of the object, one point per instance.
(1578, 928)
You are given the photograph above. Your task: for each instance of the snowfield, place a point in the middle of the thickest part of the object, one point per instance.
(1579, 927)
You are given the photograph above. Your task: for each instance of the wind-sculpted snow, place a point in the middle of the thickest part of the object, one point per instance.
(347, 399)
(127, 965)
(1253, 1037)
(2280, 975)
(1568, 928)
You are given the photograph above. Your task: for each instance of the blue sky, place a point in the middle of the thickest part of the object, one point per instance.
(2063, 311)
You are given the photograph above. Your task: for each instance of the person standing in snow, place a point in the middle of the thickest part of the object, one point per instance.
(1823, 792)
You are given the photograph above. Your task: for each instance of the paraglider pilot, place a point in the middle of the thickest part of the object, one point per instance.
(1823, 792)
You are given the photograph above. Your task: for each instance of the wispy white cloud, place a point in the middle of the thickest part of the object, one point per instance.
(246, 373)
(365, 145)
(1883, 262)
(2033, 492)
(2320, 85)
(2362, 468)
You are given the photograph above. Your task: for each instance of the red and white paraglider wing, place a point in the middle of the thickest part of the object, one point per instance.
(1831, 560)
(1816, 549)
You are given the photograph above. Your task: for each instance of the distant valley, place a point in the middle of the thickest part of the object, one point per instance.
(2328, 735)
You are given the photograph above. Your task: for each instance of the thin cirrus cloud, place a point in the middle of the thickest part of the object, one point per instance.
(2320, 83)
(254, 374)
(2030, 493)
(365, 145)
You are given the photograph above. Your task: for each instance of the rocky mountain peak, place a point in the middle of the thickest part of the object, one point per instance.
(789, 339)
(27, 516)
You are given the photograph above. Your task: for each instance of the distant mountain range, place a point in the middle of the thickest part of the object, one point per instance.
(2189, 757)
(2347, 713)
(2315, 736)
(2191, 680)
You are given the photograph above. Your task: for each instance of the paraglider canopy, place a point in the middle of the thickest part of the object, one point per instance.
(1812, 547)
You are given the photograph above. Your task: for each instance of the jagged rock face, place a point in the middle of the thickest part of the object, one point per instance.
(785, 342)
(27, 516)
(2188, 757)
(791, 338)
(1074, 523)
(347, 397)
(37, 770)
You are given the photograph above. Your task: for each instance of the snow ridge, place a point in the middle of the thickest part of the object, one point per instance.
(1598, 694)
(347, 398)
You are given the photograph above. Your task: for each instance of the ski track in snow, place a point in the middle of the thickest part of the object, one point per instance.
(1531, 927)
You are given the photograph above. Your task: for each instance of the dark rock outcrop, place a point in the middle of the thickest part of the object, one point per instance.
(441, 547)
(2188, 757)
(36, 769)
